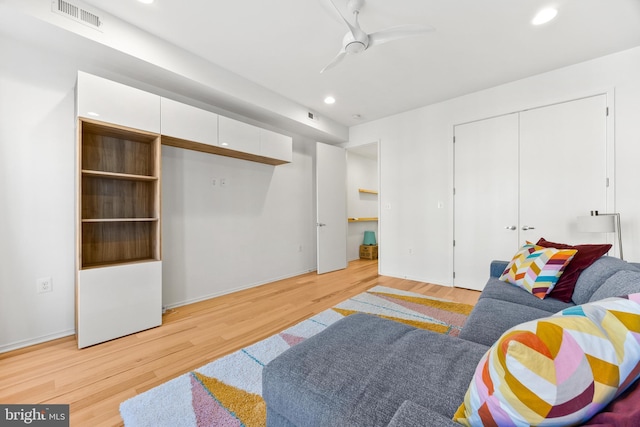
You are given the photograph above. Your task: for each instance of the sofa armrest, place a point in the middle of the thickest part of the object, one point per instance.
(410, 414)
(497, 268)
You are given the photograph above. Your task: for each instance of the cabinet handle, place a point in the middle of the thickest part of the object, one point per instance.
(528, 227)
(511, 227)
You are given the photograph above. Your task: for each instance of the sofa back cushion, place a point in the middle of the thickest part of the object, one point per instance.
(623, 282)
(595, 276)
(559, 370)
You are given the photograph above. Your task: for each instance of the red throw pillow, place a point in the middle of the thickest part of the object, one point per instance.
(586, 255)
(622, 411)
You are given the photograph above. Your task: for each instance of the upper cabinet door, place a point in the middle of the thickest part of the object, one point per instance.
(190, 123)
(276, 146)
(238, 136)
(111, 102)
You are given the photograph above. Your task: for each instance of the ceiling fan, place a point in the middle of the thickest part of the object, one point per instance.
(357, 41)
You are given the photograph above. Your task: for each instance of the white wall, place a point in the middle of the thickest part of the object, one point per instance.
(219, 239)
(362, 172)
(417, 160)
(216, 240)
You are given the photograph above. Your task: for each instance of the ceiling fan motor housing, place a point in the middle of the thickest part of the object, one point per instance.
(353, 45)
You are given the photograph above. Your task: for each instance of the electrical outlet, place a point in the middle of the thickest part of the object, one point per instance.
(44, 285)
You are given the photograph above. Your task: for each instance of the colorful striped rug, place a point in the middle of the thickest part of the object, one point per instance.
(227, 391)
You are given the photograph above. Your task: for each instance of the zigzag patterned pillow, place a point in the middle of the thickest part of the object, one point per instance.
(537, 269)
(560, 370)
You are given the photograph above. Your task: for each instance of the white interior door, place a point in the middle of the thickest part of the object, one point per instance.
(486, 197)
(331, 206)
(563, 168)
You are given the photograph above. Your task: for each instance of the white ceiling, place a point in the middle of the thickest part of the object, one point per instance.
(283, 44)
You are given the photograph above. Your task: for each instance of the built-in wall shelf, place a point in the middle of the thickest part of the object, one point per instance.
(360, 219)
(364, 190)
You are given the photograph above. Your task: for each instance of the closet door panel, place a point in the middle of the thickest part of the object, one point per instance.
(563, 168)
(486, 197)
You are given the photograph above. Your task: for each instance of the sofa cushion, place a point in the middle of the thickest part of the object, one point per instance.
(360, 370)
(621, 283)
(595, 275)
(411, 414)
(559, 370)
(586, 255)
(491, 317)
(537, 269)
(499, 290)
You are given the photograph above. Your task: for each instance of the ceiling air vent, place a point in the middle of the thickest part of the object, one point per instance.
(76, 13)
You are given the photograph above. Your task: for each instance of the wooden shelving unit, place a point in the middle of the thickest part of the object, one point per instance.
(364, 190)
(119, 195)
(362, 219)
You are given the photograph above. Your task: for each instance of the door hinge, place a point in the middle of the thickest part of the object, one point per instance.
(607, 113)
(607, 182)
(454, 139)
(454, 274)
(454, 243)
(454, 191)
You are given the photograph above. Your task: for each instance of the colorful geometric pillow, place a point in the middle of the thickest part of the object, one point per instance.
(537, 269)
(587, 255)
(560, 370)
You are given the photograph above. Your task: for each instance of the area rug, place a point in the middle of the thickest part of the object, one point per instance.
(227, 391)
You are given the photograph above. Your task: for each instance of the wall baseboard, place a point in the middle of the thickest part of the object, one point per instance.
(27, 343)
(230, 291)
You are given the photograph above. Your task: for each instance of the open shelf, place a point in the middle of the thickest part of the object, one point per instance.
(359, 219)
(119, 195)
(364, 190)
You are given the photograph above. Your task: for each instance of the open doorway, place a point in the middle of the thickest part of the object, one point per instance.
(363, 186)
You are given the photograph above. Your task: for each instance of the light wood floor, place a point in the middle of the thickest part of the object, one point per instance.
(95, 380)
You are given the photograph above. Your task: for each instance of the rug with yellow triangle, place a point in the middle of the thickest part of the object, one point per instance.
(227, 391)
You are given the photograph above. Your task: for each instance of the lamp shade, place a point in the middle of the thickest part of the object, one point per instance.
(369, 238)
(597, 224)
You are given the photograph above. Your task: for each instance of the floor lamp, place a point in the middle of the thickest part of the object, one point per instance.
(601, 223)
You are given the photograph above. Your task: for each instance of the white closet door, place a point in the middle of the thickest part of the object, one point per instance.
(486, 197)
(563, 171)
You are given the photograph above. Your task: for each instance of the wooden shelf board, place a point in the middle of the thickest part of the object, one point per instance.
(116, 175)
(363, 219)
(364, 190)
(120, 220)
(116, 263)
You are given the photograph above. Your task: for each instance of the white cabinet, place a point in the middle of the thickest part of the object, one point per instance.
(183, 121)
(276, 146)
(238, 136)
(110, 102)
(116, 301)
(272, 147)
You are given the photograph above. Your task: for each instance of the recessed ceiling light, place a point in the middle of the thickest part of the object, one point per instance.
(146, 1)
(329, 100)
(544, 16)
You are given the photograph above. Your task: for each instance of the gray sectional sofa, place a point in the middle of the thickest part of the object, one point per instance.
(368, 371)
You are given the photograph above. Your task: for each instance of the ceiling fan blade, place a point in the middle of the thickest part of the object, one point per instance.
(397, 33)
(354, 30)
(335, 61)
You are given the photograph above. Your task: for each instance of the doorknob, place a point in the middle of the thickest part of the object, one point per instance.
(527, 227)
(511, 227)
(320, 224)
